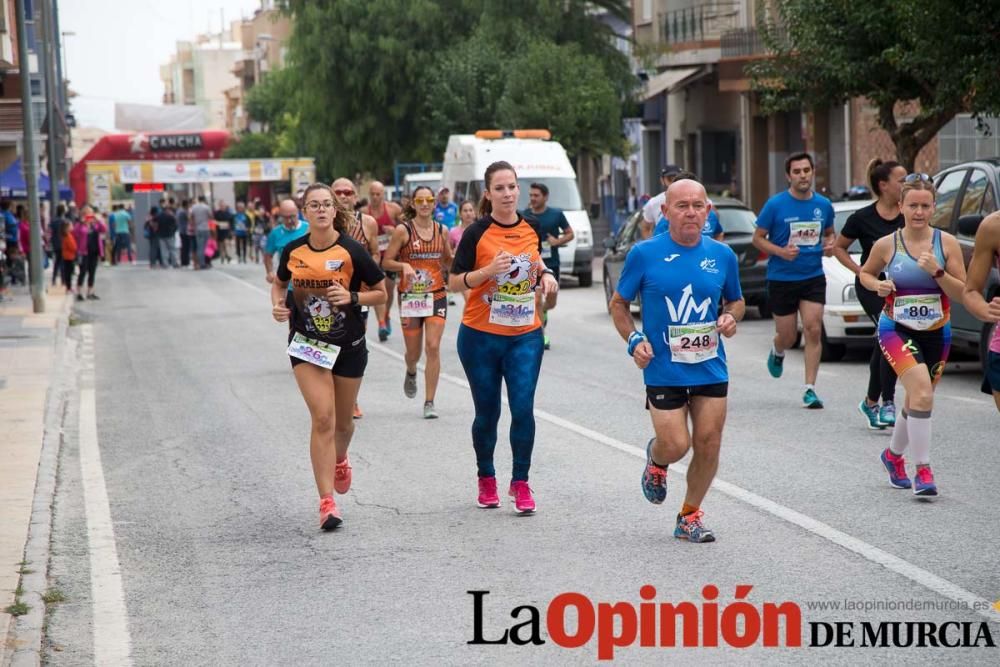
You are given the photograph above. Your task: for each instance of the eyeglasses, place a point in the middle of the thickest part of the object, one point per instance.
(317, 205)
(917, 176)
(343, 193)
(423, 200)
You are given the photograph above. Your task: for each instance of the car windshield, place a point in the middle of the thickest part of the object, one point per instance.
(563, 192)
(839, 219)
(736, 220)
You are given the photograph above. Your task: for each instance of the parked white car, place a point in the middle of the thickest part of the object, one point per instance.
(844, 320)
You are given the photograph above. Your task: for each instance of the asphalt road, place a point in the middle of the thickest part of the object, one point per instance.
(203, 439)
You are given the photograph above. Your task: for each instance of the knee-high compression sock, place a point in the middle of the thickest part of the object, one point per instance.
(919, 429)
(900, 435)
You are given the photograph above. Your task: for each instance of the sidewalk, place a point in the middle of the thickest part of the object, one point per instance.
(27, 355)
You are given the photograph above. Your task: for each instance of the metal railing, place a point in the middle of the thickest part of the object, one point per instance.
(743, 42)
(705, 21)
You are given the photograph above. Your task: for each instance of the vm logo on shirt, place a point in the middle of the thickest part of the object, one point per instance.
(681, 311)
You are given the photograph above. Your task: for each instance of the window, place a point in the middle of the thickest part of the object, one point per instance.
(646, 15)
(460, 192)
(975, 191)
(476, 193)
(947, 190)
(989, 202)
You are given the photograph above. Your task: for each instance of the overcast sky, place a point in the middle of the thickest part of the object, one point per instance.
(119, 45)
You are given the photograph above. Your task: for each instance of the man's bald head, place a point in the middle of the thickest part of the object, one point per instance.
(686, 188)
(288, 208)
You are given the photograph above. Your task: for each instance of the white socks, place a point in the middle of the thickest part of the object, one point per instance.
(919, 429)
(900, 435)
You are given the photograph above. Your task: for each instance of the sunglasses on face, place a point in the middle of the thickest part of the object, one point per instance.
(423, 200)
(343, 193)
(917, 176)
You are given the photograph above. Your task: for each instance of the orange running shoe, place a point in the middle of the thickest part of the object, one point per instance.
(329, 515)
(342, 477)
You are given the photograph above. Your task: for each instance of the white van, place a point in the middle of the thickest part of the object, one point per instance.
(534, 160)
(431, 179)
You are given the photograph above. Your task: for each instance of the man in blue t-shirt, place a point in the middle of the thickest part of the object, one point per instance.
(445, 211)
(795, 228)
(556, 232)
(682, 276)
(287, 228)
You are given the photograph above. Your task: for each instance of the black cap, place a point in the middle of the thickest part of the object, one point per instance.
(670, 170)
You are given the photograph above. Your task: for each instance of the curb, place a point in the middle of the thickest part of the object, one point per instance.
(24, 645)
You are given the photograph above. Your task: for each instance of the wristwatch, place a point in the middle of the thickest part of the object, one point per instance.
(354, 298)
(938, 273)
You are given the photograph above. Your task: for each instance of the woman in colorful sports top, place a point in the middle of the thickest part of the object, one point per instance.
(419, 252)
(500, 340)
(924, 269)
(985, 256)
(326, 344)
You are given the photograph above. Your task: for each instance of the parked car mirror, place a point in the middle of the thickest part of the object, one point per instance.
(968, 224)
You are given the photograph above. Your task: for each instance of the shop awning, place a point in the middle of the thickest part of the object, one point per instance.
(666, 81)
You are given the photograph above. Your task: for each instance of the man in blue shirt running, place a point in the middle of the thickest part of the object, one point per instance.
(795, 228)
(287, 228)
(682, 276)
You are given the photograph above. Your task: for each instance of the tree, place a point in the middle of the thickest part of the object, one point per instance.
(252, 145)
(942, 55)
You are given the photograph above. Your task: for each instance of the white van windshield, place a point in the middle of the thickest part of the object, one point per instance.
(563, 193)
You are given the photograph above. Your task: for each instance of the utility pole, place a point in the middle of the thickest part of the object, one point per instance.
(49, 69)
(29, 161)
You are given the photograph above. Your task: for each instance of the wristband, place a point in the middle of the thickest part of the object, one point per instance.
(634, 339)
(548, 271)
(465, 279)
(354, 298)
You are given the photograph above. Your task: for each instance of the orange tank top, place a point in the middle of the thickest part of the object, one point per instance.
(425, 256)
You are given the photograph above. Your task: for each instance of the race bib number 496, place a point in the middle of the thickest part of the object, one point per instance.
(416, 305)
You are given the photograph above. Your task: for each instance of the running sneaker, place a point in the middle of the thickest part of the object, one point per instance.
(887, 415)
(329, 515)
(654, 478)
(775, 364)
(546, 342)
(79, 297)
(811, 400)
(410, 385)
(692, 529)
(924, 484)
(521, 493)
(383, 333)
(93, 297)
(429, 411)
(897, 469)
(357, 412)
(488, 496)
(342, 476)
(871, 413)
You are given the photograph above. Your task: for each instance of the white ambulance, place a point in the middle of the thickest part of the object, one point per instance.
(536, 159)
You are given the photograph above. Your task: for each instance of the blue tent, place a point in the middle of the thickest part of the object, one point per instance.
(12, 184)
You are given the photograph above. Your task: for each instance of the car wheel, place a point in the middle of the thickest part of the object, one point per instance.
(764, 308)
(607, 290)
(831, 351)
(586, 279)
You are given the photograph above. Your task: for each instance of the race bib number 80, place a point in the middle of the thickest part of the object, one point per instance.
(693, 343)
(918, 311)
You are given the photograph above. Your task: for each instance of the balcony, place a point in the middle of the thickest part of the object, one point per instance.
(746, 43)
(705, 22)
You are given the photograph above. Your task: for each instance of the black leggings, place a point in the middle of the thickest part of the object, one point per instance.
(67, 267)
(88, 266)
(241, 248)
(881, 377)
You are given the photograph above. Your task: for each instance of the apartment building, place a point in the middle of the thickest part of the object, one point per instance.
(201, 71)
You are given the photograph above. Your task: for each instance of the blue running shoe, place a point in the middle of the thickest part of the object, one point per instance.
(924, 486)
(897, 469)
(654, 478)
(887, 415)
(775, 364)
(383, 334)
(811, 400)
(692, 529)
(871, 413)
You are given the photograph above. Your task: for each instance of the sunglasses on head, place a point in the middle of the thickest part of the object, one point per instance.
(917, 176)
(343, 193)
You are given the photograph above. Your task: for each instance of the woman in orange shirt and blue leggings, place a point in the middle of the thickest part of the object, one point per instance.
(500, 339)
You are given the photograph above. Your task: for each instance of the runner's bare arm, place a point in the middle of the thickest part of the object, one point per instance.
(370, 228)
(987, 246)
(279, 311)
(458, 282)
(877, 260)
(396, 241)
(843, 256)
(953, 280)
(762, 243)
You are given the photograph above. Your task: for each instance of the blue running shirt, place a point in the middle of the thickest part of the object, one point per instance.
(810, 219)
(680, 285)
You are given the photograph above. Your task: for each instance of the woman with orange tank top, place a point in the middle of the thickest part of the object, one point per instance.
(419, 252)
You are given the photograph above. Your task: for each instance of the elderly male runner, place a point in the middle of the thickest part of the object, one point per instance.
(682, 275)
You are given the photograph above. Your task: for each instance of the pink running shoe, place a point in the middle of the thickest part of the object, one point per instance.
(342, 476)
(488, 496)
(521, 493)
(329, 515)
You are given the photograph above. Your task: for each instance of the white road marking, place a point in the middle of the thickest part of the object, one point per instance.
(112, 642)
(902, 567)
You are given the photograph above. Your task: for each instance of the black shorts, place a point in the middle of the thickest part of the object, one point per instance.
(351, 362)
(991, 373)
(672, 398)
(783, 296)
